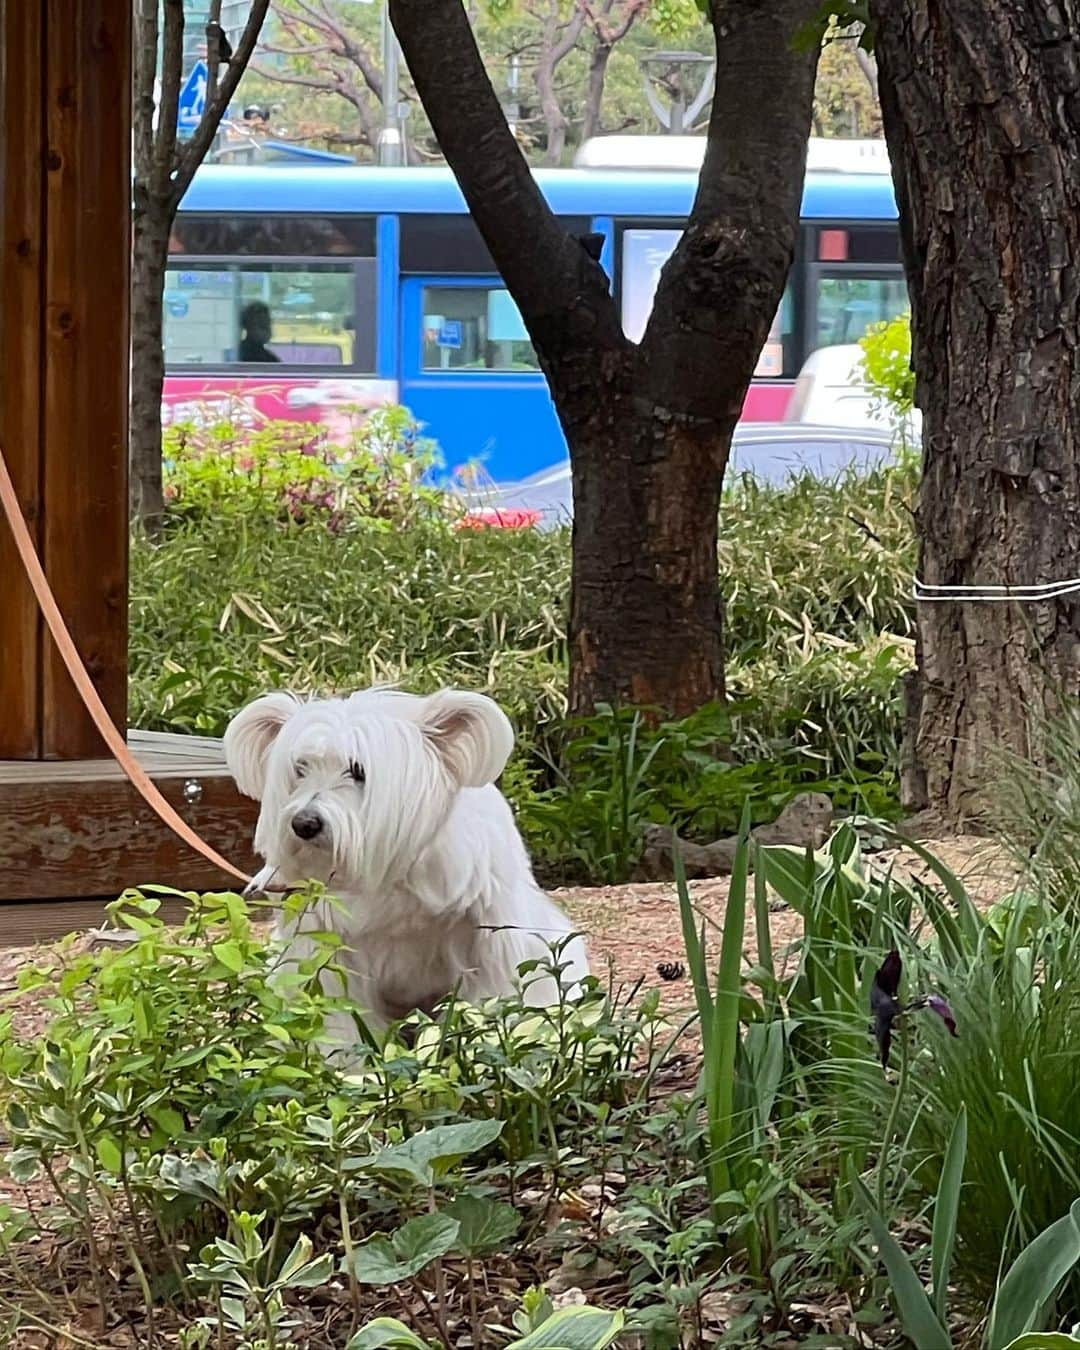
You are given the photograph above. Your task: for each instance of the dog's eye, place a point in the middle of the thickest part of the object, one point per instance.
(299, 770)
(356, 772)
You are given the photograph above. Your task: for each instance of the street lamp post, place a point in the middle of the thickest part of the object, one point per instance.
(390, 146)
(683, 112)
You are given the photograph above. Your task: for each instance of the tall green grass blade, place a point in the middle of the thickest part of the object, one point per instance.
(920, 1322)
(694, 942)
(972, 923)
(946, 1208)
(720, 1102)
(763, 931)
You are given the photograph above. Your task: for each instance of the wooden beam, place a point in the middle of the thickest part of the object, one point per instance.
(22, 135)
(86, 346)
(94, 836)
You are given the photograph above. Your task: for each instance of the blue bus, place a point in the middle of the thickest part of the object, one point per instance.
(309, 293)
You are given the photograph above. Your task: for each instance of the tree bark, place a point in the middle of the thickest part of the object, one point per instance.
(150, 253)
(164, 168)
(981, 105)
(599, 57)
(649, 426)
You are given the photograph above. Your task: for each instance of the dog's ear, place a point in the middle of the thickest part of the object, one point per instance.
(472, 735)
(249, 736)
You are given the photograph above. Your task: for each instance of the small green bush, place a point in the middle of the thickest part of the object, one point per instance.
(887, 365)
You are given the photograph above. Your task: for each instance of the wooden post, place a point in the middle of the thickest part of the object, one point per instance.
(77, 829)
(65, 148)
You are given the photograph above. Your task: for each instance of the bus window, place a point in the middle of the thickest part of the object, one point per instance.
(269, 236)
(280, 314)
(474, 328)
(644, 253)
(846, 306)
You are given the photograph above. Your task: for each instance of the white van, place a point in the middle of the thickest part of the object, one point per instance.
(830, 391)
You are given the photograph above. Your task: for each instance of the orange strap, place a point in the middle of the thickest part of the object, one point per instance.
(139, 778)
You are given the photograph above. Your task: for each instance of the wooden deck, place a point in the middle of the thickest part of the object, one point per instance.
(77, 831)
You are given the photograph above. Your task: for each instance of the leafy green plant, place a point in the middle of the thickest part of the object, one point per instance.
(288, 472)
(1024, 1297)
(251, 1299)
(887, 365)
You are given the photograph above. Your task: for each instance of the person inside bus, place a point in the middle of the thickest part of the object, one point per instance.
(257, 331)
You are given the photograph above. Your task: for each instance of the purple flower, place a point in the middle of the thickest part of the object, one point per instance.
(941, 1006)
(886, 1007)
(884, 1003)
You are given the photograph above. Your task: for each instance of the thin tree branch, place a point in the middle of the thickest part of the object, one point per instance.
(213, 49)
(172, 60)
(194, 151)
(145, 74)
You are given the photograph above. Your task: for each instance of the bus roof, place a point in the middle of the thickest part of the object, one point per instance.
(823, 153)
(570, 192)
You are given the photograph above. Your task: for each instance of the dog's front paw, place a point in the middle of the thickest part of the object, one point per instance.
(261, 882)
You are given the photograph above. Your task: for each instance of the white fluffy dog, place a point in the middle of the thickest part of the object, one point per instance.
(390, 799)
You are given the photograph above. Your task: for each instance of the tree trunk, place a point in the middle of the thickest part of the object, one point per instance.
(149, 258)
(649, 426)
(981, 105)
(594, 89)
(645, 615)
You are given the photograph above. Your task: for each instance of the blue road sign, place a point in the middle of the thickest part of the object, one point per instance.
(450, 334)
(193, 97)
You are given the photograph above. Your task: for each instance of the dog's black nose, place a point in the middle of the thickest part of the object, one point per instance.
(307, 824)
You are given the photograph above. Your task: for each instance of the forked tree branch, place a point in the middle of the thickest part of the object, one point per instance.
(193, 152)
(726, 276)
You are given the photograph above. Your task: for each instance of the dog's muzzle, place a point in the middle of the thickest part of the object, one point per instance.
(307, 825)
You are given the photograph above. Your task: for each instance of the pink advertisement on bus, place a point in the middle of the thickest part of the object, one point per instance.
(338, 404)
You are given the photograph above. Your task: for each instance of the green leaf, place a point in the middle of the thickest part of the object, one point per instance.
(1044, 1340)
(109, 1154)
(313, 1275)
(946, 1208)
(386, 1333)
(170, 1122)
(235, 1312)
(573, 1329)
(919, 1320)
(432, 1153)
(230, 955)
(1033, 1280)
(483, 1225)
(297, 1258)
(388, 1260)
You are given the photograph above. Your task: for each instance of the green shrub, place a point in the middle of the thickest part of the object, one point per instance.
(333, 570)
(289, 472)
(887, 365)
(195, 1144)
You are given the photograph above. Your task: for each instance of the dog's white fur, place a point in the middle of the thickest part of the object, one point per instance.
(435, 891)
